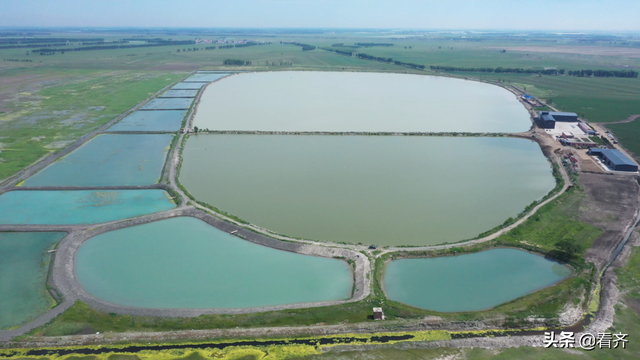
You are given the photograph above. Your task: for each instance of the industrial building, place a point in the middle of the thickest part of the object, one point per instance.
(614, 159)
(586, 128)
(548, 119)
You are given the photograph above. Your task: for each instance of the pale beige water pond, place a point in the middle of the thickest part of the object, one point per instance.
(385, 190)
(371, 102)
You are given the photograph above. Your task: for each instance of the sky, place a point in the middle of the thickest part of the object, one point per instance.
(565, 15)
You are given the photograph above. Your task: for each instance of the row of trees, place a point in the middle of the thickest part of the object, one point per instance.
(45, 40)
(305, 47)
(377, 58)
(103, 42)
(341, 52)
(111, 47)
(374, 58)
(409, 65)
(374, 44)
(197, 49)
(236, 62)
(499, 70)
(27, 46)
(390, 61)
(604, 73)
(18, 60)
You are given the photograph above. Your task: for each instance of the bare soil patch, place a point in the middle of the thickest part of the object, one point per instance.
(611, 203)
(580, 50)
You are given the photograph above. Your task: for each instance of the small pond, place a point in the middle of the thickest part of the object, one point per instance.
(108, 160)
(470, 282)
(79, 206)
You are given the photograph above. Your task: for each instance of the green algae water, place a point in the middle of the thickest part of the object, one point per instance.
(79, 206)
(470, 282)
(108, 160)
(186, 263)
(384, 190)
(24, 263)
(160, 120)
(372, 102)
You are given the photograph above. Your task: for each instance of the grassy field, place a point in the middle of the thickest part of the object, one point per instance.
(57, 107)
(629, 135)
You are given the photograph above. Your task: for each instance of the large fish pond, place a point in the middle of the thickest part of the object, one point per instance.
(384, 190)
(186, 263)
(343, 101)
(470, 282)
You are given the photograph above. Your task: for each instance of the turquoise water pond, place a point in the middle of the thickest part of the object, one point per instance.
(168, 104)
(79, 206)
(188, 86)
(470, 282)
(24, 263)
(108, 160)
(186, 263)
(205, 77)
(179, 93)
(160, 120)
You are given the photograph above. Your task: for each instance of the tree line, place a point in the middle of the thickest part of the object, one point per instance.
(45, 40)
(341, 52)
(236, 62)
(499, 70)
(111, 47)
(390, 61)
(27, 46)
(604, 73)
(305, 47)
(377, 58)
(374, 44)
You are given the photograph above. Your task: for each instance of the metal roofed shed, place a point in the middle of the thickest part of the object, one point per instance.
(614, 159)
(546, 121)
(564, 116)
(378, 314)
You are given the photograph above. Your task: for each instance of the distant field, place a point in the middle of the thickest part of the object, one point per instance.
(629, 135)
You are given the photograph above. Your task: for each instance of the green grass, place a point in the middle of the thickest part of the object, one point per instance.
(628, 134)
(81, 316)
(555, 221)
(629, 275)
